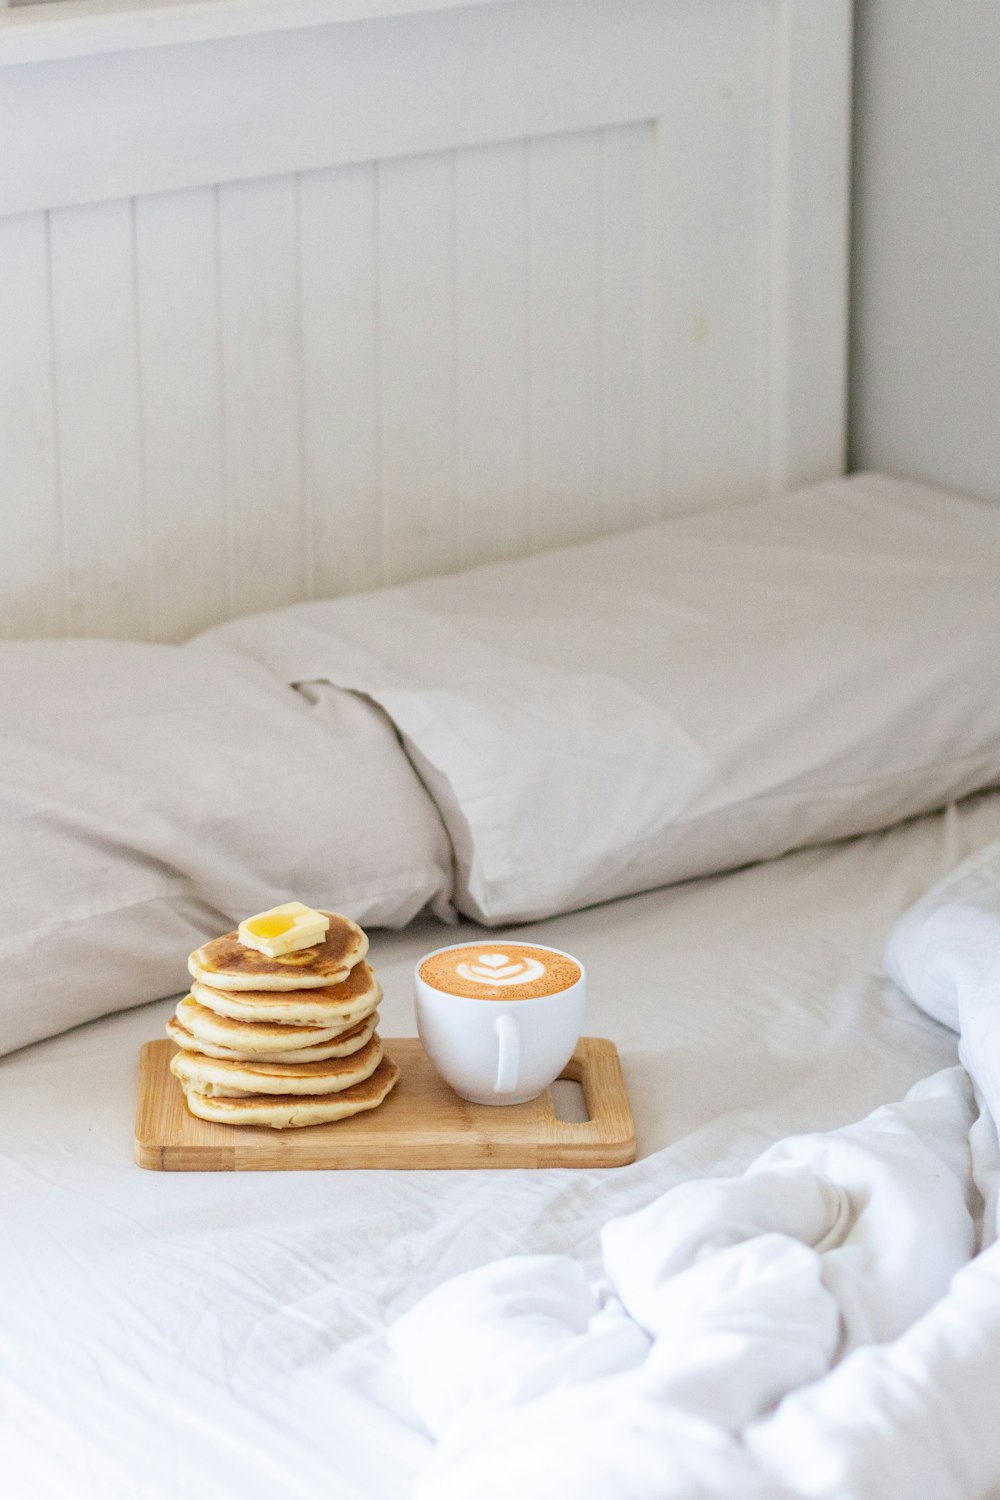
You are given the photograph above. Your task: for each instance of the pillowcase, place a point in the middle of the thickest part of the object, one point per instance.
(152, 796)
(685, 698)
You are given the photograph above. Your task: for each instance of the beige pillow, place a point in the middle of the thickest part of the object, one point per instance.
(685, 698)
(150, 796)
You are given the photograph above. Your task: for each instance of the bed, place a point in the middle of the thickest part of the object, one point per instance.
(404, 288)
(168, 1332)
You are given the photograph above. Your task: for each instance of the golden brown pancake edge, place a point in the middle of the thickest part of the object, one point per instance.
(342, 1044)
(367, 1095)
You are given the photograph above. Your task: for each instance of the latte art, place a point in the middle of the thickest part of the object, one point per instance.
(494, 968)
(514, 972)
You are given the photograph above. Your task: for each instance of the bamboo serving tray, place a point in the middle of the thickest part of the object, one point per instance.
(421, 1124)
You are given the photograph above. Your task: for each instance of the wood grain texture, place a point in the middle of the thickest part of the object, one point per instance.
(422, 1124)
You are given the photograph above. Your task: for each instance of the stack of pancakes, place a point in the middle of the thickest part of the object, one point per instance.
(282, 1041)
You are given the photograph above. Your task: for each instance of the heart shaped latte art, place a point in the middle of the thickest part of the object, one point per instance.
(494, 969)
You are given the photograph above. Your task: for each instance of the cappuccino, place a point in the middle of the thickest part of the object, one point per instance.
(511, 971)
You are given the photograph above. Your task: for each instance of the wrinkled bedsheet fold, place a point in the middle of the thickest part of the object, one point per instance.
(825, 1325)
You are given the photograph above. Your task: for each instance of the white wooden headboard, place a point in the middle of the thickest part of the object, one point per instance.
(302, 296)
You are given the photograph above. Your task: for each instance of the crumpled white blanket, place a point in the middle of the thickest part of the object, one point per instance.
(827, 1325)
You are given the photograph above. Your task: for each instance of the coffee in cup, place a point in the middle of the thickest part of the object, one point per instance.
(513, 971)
(499, 1020)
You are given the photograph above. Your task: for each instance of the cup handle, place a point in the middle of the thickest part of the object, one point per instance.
(510, 1050)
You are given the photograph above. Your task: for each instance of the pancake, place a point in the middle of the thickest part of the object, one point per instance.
(340, 1046)
(251, 1037)
(218, 1076)
(284, 1111)
(335, 1006)
(224, 962)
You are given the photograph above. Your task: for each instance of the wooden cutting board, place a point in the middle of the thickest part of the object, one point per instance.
(421, 1124)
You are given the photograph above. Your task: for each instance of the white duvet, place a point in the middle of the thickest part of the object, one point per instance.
(169, 1335)
(825, 1324)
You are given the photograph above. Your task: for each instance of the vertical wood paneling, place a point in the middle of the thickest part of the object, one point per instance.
(809, 239)
(565, 355)
(99, 427)
(594, 298)
(30, 594)
(261, 353)
(715, 290)
(342, 415)
(491, 352)
(416, 307)
(182, 411)
(631, 489)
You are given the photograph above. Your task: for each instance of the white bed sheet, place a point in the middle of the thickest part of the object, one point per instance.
(169, 1334)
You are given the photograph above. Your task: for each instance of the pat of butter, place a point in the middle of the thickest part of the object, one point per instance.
(283, 929)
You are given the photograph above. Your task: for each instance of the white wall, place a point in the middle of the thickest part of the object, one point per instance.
(925, 398)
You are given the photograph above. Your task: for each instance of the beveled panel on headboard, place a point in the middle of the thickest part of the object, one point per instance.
(219, 396)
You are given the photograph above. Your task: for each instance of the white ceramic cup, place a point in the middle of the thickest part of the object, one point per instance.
(494, 1051)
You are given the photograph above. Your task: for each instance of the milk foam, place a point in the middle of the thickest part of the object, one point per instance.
(517, 971)
(494, 968)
